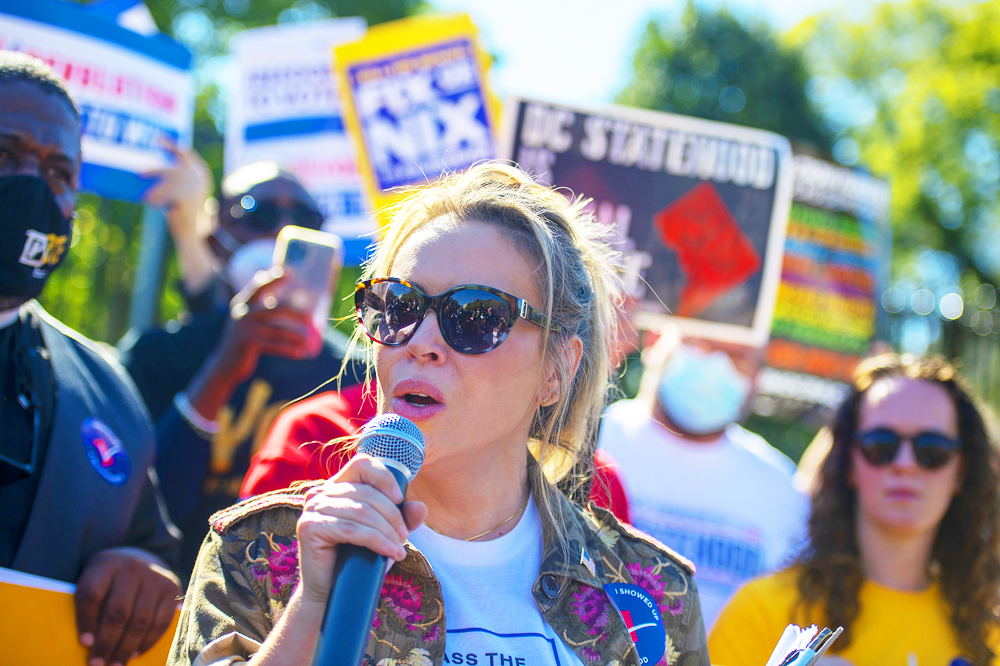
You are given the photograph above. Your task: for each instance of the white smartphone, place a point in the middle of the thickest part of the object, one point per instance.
(312, 260)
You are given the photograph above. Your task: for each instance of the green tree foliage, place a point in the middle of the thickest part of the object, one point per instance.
(91, 292)
(913, 92)
(711, 66)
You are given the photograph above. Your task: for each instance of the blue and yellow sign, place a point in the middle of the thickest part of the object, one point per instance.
(415, 100)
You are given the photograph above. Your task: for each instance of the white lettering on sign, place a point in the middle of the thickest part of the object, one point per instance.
(830, 186)
(289, 90)
(544, 126)
(422, 113)
(548, 131)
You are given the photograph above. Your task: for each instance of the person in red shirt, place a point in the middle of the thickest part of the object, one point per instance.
(296, 447)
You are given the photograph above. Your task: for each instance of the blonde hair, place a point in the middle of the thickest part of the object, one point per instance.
(579, 286)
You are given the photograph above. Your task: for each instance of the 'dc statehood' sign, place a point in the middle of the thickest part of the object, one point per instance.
(698, 208)
(416, 102)
(283, 107)
(134, 92)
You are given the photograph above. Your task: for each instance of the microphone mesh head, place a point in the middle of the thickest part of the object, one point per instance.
(396, 438)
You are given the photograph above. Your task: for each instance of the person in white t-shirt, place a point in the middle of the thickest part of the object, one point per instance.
(488, 305)
(695, 480)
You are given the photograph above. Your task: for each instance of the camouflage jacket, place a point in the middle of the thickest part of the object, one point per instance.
(248, 568)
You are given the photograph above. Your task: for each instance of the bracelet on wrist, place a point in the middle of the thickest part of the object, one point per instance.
(207, 429)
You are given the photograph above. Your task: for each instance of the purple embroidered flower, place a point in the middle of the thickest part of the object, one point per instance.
(432, 634)
(281, 570)
(403, 597)
(285, 564)
(675, 606)
(646, 579)
(649, 581)
(591, 606)
(590, 654)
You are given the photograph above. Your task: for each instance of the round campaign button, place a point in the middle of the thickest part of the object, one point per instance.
(105, 452)
(642, 619)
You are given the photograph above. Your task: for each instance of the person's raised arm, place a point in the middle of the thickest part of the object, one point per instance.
(258, 327)
(186, 428)
(183, 190)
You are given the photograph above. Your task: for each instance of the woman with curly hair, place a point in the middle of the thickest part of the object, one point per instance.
(487, 308)
(904, 548)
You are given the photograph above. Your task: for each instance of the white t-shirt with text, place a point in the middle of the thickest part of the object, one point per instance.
(728, 505)
(491, 618)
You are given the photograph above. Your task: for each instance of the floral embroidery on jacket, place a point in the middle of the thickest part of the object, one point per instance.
(675, 606)
(607, 534)
(646, 578)
(417, 657)
(279, 570)
(649, 579)
(670, 654)
(401, 598)
(591, 605)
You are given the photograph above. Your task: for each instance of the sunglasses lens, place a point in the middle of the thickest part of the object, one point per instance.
(267, 216)
(264, 217)
(474, 321)
(304, 216)
(879, 447)
(389, 311)
(934, 450)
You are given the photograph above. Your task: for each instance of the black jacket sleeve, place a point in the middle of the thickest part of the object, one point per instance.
(151, 528)
(181, 462)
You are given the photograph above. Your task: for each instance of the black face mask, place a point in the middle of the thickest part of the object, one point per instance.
(34, 236)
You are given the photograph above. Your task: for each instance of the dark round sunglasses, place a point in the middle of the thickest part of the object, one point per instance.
(473, 319)
(932, 450)
(266, 215)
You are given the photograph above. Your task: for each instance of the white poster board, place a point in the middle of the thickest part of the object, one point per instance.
(133, 91)
(284, 108)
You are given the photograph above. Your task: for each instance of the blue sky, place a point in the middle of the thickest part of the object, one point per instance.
(580, 51)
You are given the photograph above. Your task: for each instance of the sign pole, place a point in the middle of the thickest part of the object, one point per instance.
(146, 287)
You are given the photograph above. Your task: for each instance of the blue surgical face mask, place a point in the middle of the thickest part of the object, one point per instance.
(702, 392)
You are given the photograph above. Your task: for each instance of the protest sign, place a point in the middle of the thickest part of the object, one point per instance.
(416, 102)
(836, 253)
(284, 107)
(134, 91)
(697, 207)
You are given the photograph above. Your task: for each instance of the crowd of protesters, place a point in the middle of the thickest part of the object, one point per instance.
(116, 472)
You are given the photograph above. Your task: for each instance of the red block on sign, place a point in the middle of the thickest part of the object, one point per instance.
(713, 251)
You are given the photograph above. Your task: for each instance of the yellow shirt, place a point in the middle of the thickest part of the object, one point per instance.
(892, 625)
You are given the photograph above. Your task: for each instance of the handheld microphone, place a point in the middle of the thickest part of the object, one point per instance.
(358, 572)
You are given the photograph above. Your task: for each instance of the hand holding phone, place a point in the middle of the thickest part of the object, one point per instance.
(312, 261)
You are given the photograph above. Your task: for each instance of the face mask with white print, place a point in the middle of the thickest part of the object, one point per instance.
(247, 260)
(34, 237)
(702, 392)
